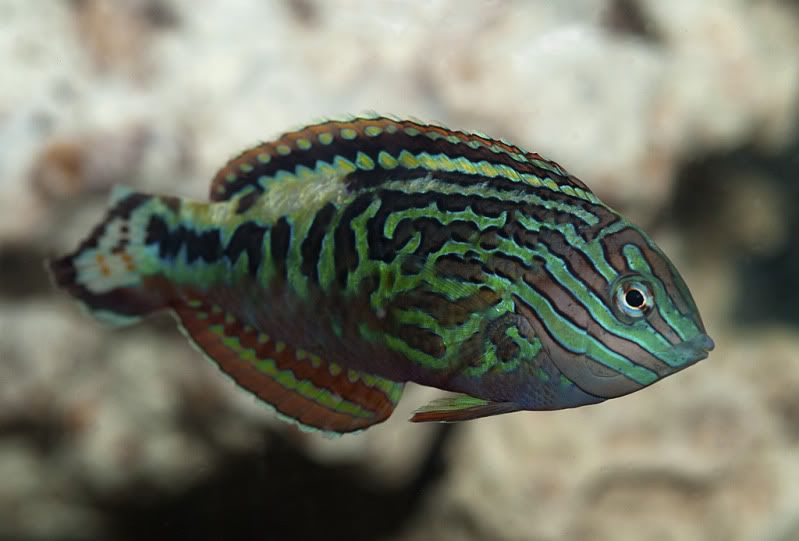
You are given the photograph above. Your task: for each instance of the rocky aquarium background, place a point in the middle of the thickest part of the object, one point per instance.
(682, 114)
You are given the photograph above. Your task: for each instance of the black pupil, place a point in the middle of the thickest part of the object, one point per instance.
(634, 298)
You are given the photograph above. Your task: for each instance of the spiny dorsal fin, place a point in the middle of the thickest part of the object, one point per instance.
(308, 390)
(378, 144)
(460, 407)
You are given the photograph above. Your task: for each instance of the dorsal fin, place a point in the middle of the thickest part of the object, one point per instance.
(308, 390)
(380, 144)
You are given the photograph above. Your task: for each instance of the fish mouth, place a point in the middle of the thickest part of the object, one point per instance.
(693, 350)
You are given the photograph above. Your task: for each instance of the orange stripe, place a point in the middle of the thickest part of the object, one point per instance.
(287, 402)
(247, 376)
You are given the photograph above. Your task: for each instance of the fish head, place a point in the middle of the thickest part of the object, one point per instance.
(615, 317)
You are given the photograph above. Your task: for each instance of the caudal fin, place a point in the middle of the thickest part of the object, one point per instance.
(112, 273)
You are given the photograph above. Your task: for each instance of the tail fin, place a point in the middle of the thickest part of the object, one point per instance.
(111, 273)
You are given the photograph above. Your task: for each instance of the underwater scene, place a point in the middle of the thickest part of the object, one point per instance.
(399, 270)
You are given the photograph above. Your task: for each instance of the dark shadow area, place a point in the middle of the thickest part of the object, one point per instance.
(768, 289)
(629, 17)
(279, 494)
(23, 273)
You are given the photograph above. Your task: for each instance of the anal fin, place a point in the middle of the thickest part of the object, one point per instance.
(308, 390)
(460, 407)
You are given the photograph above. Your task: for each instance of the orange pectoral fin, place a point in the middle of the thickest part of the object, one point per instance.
(308, 390)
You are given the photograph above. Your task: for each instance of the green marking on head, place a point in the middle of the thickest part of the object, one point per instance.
(599, 309)
(685, 326)
(580, 342)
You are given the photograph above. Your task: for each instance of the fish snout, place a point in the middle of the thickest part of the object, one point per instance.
(703, 342)
(694, 350)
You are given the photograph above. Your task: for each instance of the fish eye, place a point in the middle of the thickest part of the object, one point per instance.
(634, 298)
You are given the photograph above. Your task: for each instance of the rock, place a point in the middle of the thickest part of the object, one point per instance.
(391, 452)
(617, 110)
(135, 156)
(37, 501)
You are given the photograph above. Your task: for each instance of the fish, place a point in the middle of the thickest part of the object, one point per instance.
(342, 260)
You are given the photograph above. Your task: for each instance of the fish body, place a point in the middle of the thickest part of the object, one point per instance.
(338, 262)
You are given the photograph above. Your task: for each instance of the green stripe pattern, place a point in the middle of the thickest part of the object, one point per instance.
(465, 262)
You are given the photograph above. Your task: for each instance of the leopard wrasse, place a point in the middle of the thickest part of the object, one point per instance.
(342, 260)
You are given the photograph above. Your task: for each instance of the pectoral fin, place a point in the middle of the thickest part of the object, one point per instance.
(460, 407)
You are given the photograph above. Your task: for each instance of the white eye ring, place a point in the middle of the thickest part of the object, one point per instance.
(634, 298)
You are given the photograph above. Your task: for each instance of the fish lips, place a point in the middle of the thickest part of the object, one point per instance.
(692, 351)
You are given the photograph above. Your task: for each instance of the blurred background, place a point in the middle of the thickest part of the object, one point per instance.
(683, 115)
